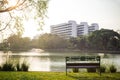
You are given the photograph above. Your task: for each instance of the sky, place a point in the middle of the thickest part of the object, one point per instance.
(104, 12)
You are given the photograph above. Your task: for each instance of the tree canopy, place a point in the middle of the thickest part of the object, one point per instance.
(100, 40)
(51, 41)
(104, 39)
(14, 12)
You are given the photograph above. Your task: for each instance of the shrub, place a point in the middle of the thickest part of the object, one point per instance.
(24, 66)
(91, 69)
(113, 69)
(18, 66)
(8, 67)
(75, 70)
(0, 68)
(102, 68)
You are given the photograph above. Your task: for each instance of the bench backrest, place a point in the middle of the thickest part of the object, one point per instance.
(83, 62)
(83, 59)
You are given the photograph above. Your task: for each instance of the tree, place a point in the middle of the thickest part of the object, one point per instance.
(14, 12)
(5, 46)
(82, 42)
(50, 41)
(105, 39)
(72, 42)
(18, 43)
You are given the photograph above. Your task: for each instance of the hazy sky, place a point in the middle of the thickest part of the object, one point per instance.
(104, 12)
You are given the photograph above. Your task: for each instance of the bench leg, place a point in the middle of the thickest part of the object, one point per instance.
(66, 71)
(100, 72)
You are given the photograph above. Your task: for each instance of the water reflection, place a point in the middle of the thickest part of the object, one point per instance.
(46, 61)
(39, 64)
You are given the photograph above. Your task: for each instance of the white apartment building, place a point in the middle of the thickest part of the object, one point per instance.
(82, 29)
(93, 27)
(72, 29)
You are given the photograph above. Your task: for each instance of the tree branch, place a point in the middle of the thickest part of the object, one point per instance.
(13, 7)
(7, 23)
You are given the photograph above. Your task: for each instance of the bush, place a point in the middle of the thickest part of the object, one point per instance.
(8, 67)
(102, 68)
(18, 66)
(0, 68)
(91, 69)
(113, 69)
(75, 70)
(24, 66)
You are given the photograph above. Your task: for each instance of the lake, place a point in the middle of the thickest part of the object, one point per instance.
(40, 60)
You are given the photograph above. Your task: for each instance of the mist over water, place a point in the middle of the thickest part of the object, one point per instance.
(40, 60)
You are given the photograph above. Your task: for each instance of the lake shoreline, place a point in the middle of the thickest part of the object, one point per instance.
(77, 50)
(69, 50)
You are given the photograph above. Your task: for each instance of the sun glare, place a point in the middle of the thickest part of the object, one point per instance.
(12, 2)
(30, 28)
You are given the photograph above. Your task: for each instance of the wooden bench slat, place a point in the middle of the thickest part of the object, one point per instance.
(83, 67)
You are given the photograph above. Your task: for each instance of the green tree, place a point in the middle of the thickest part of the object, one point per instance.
(5, 46)
(19, 43)
(104, 39)
(50, 41)
(72, 42)
(34, 43)
(82, 42)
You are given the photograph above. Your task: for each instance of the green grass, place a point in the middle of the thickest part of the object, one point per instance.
(57, 76)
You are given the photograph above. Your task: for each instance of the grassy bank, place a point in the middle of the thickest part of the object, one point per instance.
(57, 76)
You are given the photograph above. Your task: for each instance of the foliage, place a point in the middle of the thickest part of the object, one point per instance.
(16, 12)
(113, 69)
(5, 45)
(0, 68)
(24, 66)
(75, 70)
(50, 41)
(91, 69)
(102, 68)
(72, 43)
(104, 39)
(18, 43)
(18, 67)
(82, 42)
(8, 67)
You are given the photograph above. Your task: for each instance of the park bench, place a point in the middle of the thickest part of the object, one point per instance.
(83, 62)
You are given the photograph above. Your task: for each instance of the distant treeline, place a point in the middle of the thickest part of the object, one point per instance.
(103, 39)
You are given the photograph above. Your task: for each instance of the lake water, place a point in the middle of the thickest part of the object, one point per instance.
(55, 61)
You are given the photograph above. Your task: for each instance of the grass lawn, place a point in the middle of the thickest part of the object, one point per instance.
(57, 76)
